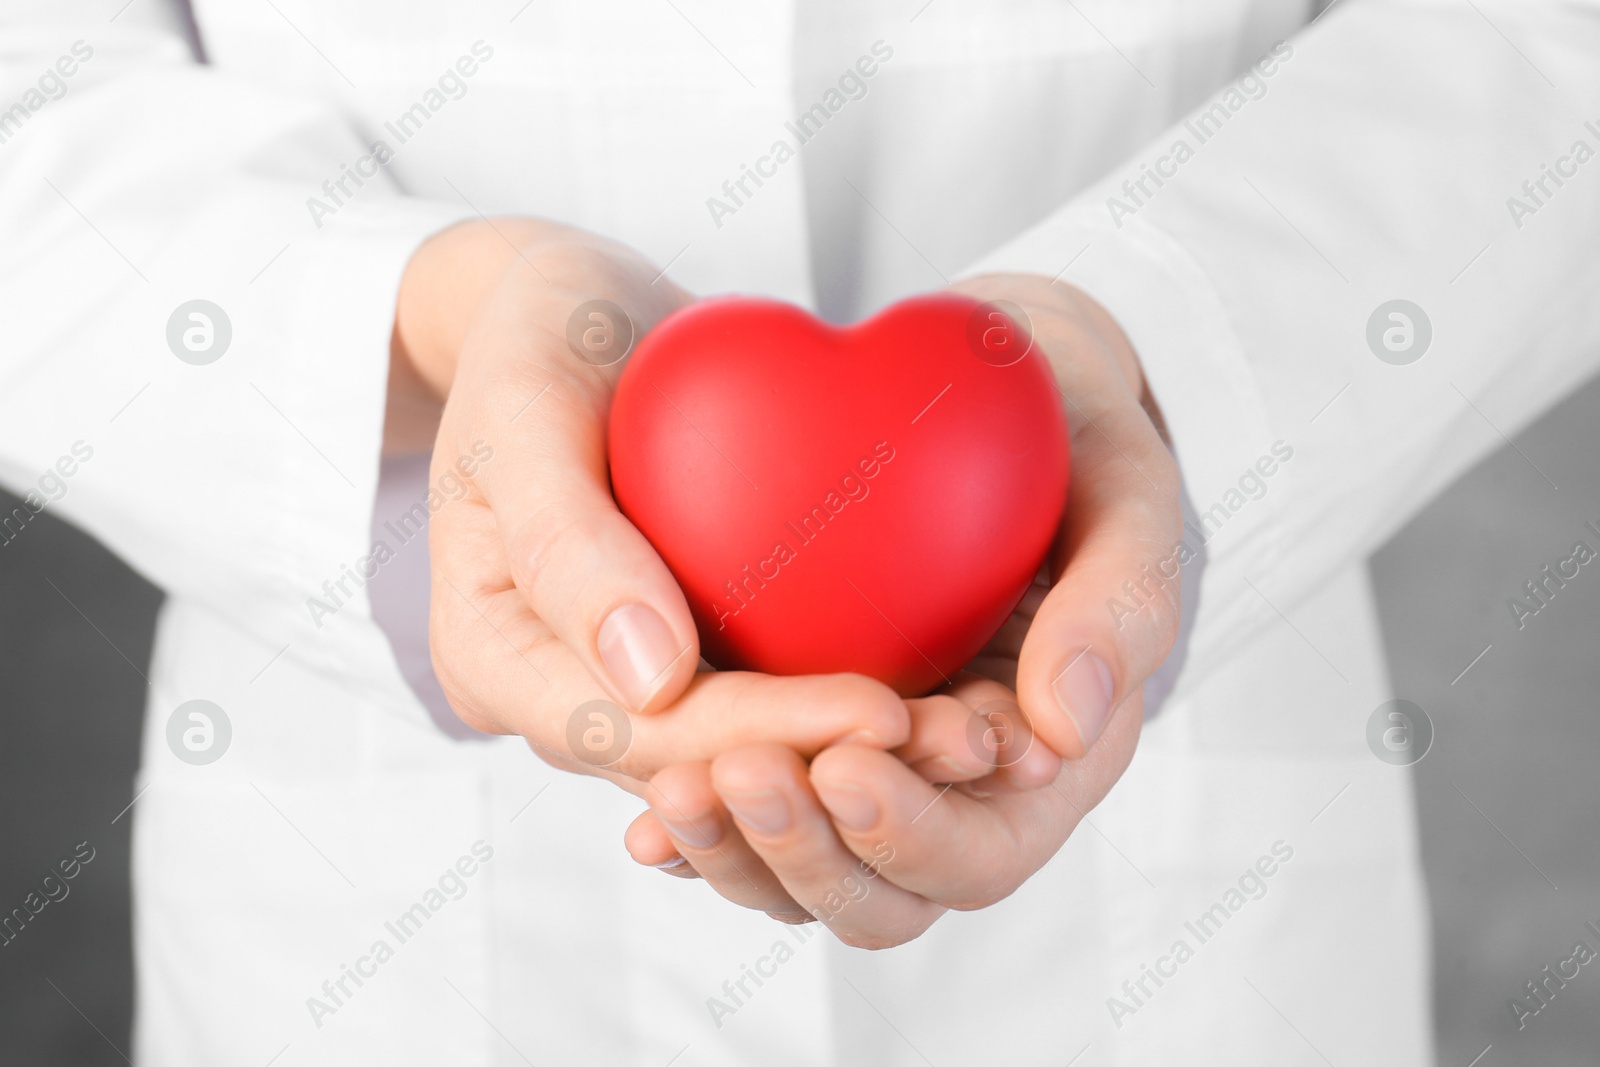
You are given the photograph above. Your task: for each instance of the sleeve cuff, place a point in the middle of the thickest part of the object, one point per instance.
(331, 382)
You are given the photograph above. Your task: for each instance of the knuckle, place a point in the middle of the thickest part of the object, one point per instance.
(1149, 599)
(875, 708)
(1166, 603)
(548, 547)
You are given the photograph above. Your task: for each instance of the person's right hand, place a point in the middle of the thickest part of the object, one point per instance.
(545, 597)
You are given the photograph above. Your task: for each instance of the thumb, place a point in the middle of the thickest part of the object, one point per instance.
(1112, 615)
(584, 569)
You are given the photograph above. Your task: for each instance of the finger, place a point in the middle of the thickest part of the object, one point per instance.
(766, 789)
(1007, 641)
(585, 570)
(648, 842)
(727, 709)
(956, 850)
(978, 734)
(942, 747)
(1081, 657)
(504, 672)
(1021, 762)
(682, 798)
(1112, 614)
(948, 847)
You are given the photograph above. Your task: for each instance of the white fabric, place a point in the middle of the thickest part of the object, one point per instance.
(1388, 141)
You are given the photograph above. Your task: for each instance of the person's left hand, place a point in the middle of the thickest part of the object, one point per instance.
(879, 844)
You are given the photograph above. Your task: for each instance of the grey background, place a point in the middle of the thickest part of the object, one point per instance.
(1507, 796)
(1518, 736)
(72, 691)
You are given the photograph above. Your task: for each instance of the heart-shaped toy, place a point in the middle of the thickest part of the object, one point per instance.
(873, 499)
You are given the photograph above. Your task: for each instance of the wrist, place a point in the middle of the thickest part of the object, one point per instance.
(447, 281)
(535, 263)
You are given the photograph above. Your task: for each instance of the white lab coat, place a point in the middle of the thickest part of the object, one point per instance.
(1374, 165)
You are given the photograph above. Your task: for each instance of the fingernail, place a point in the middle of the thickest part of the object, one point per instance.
(703, 832)
(849, 804)
(667, 865)
(765, 812)
(1037, 767)
(636, 647)
(1083, 690)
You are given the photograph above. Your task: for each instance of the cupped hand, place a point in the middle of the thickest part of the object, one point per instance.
(551, 615)
(796, 840)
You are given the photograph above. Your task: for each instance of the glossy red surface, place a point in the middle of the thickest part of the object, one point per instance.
(872, 499)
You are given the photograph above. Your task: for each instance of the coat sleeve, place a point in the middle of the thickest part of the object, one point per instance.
(226, 456)
(1354, 272)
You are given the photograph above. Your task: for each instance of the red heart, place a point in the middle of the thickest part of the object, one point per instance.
(872, 499)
